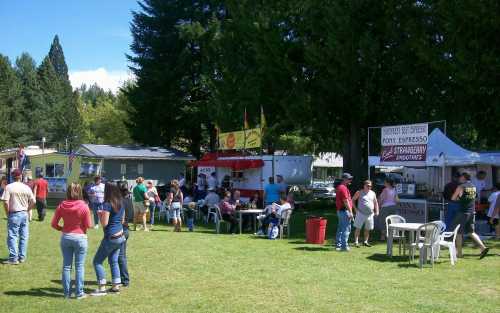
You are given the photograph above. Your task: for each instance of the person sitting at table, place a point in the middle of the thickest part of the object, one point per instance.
(236, 200)
(228, 212)
(255, 201)
(273, 212)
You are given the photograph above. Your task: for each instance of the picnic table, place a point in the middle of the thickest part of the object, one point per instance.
(248, 211)
(403, 227)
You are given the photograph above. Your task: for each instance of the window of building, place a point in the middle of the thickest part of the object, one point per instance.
(54, 170)
(140, 168)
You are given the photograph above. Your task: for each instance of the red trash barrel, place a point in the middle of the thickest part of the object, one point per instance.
(315, 230)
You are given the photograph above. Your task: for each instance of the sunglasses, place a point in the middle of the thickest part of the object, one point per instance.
(369, 186)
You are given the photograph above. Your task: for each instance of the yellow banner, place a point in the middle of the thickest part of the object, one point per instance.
(236, 140)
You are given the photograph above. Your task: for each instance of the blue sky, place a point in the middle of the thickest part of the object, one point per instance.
(94, 35)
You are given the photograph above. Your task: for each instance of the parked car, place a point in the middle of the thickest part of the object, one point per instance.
(323, 190)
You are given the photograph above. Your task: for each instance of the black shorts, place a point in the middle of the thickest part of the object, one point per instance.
(466, 221)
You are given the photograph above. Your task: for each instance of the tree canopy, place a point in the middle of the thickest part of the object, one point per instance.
(324, 71)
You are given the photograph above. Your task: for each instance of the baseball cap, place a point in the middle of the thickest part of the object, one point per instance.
(347, 176)
(17, 173)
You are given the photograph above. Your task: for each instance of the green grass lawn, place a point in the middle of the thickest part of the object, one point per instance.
(205, 272)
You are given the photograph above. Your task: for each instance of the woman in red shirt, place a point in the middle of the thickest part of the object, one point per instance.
(76, 220)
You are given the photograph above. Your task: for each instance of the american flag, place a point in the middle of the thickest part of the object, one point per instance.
(71, 158)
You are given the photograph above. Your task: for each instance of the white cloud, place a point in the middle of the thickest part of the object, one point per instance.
(108, 80)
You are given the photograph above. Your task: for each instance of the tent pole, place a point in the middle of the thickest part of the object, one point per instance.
(368, 153)
(443, 179)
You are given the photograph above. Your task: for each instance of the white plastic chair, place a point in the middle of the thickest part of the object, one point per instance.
(426, 243)
(396, 234)
(212, 211)
(218, 220)
(163, 211)
(450, 244)
(284, 222)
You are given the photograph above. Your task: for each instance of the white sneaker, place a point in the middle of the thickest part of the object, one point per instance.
(259, 233)
(337, 249)
(96, 226)
(99, 293)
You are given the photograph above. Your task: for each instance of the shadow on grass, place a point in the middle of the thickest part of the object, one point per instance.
(87, 282)
(381, 257)
(312, 249)
(37, 292)
(298, 242)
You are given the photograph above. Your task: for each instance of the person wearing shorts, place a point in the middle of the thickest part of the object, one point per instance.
(366, 209)
(140, 208)
(175, 200)
(466, 194)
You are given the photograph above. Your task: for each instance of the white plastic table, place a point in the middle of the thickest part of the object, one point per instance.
(249, 211)
(404, 227)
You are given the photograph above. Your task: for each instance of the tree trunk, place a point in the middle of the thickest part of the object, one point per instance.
(352, 158)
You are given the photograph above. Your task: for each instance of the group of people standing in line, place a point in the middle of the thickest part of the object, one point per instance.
(368, 211)
(19, 200)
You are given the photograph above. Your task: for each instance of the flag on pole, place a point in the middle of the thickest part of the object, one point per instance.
(245, 120)
(262, 119)
(217, 132)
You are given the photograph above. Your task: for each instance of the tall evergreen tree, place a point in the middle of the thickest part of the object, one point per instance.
(35, 108)
(56, 56)
(13, 126)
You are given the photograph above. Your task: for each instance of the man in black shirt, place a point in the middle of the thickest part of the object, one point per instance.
(465, 194)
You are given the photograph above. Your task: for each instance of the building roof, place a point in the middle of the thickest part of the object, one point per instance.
(29, 151)
(133, 152)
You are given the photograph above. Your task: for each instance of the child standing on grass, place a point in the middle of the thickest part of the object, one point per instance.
(190, 212)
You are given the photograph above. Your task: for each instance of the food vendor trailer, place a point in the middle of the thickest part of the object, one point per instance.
(250, 173)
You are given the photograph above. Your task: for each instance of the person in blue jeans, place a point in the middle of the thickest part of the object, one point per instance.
(112, 217)
(122, 258)
(344, 213)
(18, 202)
(96, 194)
(76, 217)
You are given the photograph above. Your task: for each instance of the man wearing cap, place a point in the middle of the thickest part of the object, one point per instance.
(344, 212)
(466, 195)
(18, 201)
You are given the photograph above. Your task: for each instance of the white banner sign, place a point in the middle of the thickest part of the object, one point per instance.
(404, 143)
(207, 170)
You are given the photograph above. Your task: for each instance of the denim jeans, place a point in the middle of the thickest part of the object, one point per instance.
(122, 259)
(17, 235)
(73, 246)
(109, 248)
(190, 223)
(152, 208)
(96, 207)
(343, 230)
(451, 212)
